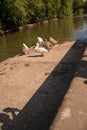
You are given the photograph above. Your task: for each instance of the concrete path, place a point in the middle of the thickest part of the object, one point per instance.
(33, 87)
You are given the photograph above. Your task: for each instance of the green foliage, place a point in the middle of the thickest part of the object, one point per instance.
(36, 11)
(51, 8)
(14, 13)
(7, 13)
(78, 3)
(85, 10)
(21, 11)
(66, 8)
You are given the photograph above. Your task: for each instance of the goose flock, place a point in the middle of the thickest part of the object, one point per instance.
(41, 46)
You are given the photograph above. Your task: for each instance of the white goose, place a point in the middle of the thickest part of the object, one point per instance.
(40, 49)
(53, 41)
(25, 49)
(47, 44)
(40, 40)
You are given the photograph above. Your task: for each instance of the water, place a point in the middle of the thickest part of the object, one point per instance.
(68, 29)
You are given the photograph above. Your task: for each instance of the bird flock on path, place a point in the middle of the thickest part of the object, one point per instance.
(41, 46)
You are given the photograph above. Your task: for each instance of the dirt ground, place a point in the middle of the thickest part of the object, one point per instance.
(22, 75)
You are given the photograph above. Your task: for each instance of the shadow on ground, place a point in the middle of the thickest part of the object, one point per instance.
(36, 56)
(41, 109)
(82, 70)
(6, 119)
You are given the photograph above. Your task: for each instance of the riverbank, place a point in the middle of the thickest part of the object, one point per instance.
(22, 76)
(25, 26)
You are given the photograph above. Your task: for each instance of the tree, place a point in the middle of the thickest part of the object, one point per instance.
(66, 8)
(51, 8)
(39, 10)
(35, 10)
(11, 14)
(85, 10)
(78, 3)
(19, 12)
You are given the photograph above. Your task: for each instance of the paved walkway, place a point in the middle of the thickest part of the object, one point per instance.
(21, 76)
(33, 88)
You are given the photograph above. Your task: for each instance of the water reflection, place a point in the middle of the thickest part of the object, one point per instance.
(64, 29)
(79, 28)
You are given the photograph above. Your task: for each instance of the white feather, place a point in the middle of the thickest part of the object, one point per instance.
(53, 41)
(25, 49)
(24, 45)
(40, 49)
(40, 40)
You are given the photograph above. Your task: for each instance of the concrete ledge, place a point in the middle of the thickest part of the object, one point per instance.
(39, 112)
